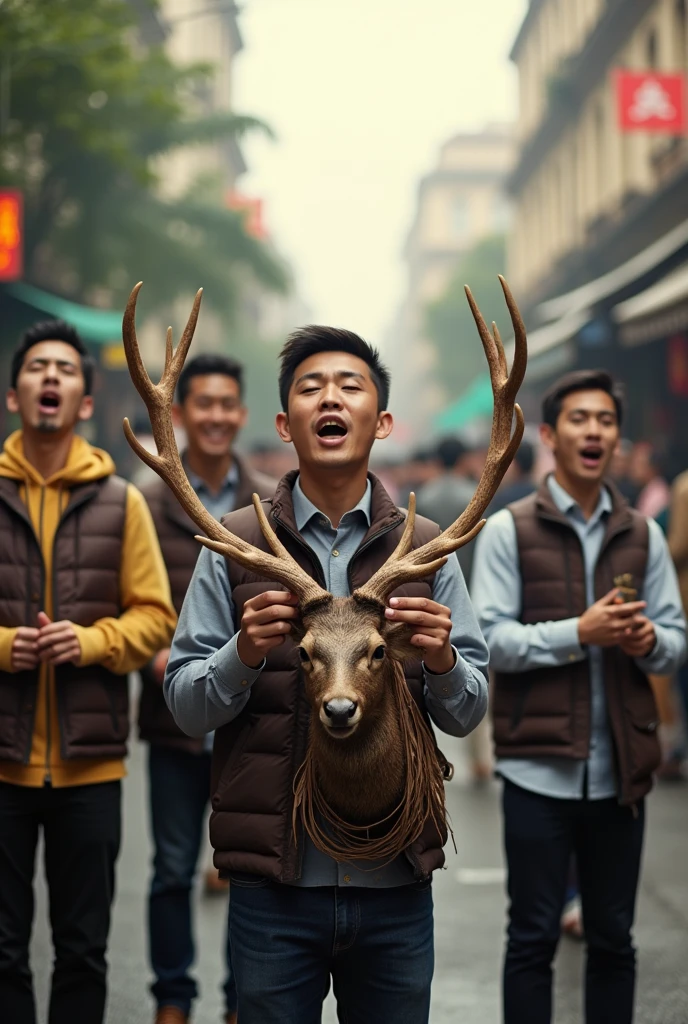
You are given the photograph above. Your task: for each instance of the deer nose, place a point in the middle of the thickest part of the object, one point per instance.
(340, 712)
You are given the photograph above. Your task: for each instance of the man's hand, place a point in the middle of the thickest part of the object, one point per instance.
(432, 629)
(25, 649)
(641, 640)
(159, 664)
(57, 641)
(609, 620)
(266, 621)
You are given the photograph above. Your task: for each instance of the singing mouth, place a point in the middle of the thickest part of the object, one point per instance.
(331, 430)
(591, 456)
(48, 403)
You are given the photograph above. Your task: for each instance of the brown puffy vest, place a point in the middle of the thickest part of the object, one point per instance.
(545, 712)
(92, 703)
(176, 533)
(256, 756)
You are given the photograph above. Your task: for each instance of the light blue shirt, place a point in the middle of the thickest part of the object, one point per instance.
(516, 647)
(207, 684)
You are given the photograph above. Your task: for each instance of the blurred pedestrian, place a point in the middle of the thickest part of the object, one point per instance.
(518, 480)
(447, 495)
(421, 466)
(647, 473)
(85, 600)
(620, 471)
(211, 411)
(578, 601)
(297, 916)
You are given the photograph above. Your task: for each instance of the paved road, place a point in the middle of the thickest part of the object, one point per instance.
(469, 901)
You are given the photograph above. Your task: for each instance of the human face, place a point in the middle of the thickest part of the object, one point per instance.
(332, 415)
(49, 395)
(585, 437)
(212, 414)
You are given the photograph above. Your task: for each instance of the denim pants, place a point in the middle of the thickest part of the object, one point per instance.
(375, 944)
(179, 795)
(541, 834)
(81, 828)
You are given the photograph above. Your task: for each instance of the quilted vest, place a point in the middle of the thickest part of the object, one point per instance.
(256, 756)
(546, 712)
(92, 703)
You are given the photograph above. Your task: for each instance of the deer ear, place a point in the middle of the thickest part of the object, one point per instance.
(397, 636)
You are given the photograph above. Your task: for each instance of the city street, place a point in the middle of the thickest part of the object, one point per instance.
(469, 907)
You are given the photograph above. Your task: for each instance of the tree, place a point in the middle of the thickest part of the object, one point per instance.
(86, 115)
(449, 322)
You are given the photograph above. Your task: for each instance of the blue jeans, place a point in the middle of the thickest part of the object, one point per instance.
(375, 944)
(179, 795)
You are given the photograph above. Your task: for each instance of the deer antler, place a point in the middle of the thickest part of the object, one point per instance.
(278, 566)
(403, 564)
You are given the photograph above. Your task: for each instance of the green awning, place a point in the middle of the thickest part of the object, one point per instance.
(100, 326)
(475, 403)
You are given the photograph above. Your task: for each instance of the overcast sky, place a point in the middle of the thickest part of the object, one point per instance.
(361, 94)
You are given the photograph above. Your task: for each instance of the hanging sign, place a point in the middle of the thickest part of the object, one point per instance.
(11, 235)
(649, 102)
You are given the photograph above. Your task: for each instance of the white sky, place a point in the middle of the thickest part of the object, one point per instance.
(361, 94)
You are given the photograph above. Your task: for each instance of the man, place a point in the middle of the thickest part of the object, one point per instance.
(578, 600)
(445, 498)
(85, 600)
(210, 409)
(678, 546)
(296, 916)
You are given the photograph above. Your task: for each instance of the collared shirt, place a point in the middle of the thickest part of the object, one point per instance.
(517, 647)
(217, 503)
(207, 685)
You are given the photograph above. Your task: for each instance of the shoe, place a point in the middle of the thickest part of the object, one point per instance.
(213, 885)
(231, 1018)
(572, 920)
(171, 1015)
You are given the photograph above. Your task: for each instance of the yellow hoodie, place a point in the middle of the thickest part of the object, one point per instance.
(120, 644)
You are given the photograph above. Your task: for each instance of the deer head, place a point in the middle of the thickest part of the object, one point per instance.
(371, 760)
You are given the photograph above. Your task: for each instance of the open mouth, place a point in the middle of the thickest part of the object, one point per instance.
(591, 456)
(331, 432)
(341, 732)
(49, 403)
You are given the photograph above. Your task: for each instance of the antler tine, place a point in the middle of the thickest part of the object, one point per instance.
(412, 565)
(279, 566)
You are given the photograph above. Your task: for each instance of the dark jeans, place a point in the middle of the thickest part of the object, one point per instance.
(377, 944)
(179, 796)
(540, 835)
(81, 832)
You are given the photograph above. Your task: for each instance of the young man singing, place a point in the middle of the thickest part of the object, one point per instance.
(211, 411)
(298, 919)
(84, 600)
(578, 600)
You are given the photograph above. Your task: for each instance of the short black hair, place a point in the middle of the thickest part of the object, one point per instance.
(203, 366)
(450, 450)
(53, 330)
(525, 457)
(312, 339)
(580, 380)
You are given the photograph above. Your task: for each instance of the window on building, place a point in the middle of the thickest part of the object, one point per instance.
(680, 34)
(651, 49)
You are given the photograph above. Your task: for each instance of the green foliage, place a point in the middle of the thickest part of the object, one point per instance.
(88, 117)
(449, 322)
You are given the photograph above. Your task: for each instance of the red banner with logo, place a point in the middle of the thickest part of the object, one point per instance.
(11, 235)
(649, 102)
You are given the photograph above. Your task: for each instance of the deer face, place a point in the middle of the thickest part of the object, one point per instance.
(345, 649)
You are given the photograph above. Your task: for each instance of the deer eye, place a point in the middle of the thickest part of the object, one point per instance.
(303, 655)
(379, 653)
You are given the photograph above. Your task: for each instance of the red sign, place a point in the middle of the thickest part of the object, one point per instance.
(649, 102)
(11, 235)
(252, 209)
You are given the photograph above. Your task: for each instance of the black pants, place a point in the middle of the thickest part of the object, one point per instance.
(81, 831)
(540, 835)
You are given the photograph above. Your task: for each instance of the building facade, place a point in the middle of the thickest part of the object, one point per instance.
(459, 202)
(601, 213)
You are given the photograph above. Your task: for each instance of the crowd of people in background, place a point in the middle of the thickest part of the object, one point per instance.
(95, 573)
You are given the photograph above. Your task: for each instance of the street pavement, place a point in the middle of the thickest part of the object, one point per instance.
(469, 912)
